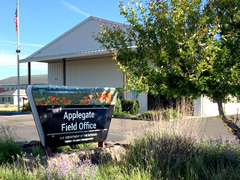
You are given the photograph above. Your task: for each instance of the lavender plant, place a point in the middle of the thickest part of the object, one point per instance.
(64, 167)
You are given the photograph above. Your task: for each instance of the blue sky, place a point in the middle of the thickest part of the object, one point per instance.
(40, 22)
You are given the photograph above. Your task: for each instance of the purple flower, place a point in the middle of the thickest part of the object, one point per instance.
(65, 167)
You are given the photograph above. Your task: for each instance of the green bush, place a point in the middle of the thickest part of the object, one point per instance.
(9, 149)
(163, 114)
(130, 106)
(162, 155)
(176, 157)
(26, 107)
(75, 146)
(118, 106)
(37, 150)
(121, 114)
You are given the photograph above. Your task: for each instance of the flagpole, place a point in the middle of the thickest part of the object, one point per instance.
(18, 52)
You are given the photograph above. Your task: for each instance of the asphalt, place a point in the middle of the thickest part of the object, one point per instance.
(126, 130)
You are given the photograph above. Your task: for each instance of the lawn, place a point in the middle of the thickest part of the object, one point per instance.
(8, 108)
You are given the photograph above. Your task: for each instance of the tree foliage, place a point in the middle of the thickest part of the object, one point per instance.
(179, 47)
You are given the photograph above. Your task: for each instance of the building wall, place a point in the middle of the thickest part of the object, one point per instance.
(101, 72)
(6, 99)
(92, 73)
(13, 100)
(209, 108)
(79, 39)
(55, 73)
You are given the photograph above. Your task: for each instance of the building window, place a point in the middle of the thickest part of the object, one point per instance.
(3, 99)
(9, 100)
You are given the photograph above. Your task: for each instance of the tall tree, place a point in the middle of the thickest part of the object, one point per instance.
(179, 47)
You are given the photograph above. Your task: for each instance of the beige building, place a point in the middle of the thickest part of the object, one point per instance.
(76, 59)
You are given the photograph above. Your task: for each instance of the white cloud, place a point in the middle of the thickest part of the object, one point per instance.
(26, 44)
(74, 8)
(9, 60)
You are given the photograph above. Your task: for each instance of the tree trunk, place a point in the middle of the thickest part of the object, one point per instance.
(220, 109)
(234, 129)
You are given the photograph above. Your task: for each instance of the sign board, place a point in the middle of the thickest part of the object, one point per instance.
(71, 115)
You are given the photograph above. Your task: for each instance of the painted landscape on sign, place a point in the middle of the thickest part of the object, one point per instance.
(73, 96)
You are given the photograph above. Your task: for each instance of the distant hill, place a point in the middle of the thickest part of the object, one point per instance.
(24, 80)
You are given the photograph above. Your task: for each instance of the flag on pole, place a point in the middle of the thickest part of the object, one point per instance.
(16, 20)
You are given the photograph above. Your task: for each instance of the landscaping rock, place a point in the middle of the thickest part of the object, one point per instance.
(98, 155)
(110, 152)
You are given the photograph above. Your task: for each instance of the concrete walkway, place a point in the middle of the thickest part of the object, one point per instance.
(126, 130)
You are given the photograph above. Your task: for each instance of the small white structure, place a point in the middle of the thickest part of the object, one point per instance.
(76, 59)
(204, 106)
(11, 97)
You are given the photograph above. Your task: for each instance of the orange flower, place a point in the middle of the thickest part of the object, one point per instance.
(43, 102)
(38, 103)
(69, 102)
(85, 97)
(64, 99)
(99, 97)
(81, 101)
(51, 98)
(58, 99)
(90, 97)
(54, 102)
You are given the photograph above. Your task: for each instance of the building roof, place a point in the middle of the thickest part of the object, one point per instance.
(77, 43)
(22, 92)
(24, 80)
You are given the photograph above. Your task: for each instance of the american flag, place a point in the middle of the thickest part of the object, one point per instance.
(16, 20)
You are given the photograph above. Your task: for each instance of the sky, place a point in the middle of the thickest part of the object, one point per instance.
(40, 22)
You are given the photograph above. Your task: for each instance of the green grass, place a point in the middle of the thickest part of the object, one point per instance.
(163, 114)
(115, 171)
(77, 146)
(9, 149)
(171, 156)
(37, 150)
(121, 114)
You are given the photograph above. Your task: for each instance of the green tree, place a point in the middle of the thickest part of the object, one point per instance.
(178, 48)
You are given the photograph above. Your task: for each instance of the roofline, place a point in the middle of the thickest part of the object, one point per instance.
(23, 84)
(39, 59)
(87, 54)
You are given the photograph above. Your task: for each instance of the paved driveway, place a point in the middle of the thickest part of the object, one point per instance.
(127, 130)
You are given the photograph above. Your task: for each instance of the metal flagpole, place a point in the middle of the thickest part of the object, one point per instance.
(18, 52)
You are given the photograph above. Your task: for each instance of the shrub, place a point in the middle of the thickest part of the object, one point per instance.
(75, 146)
(121, 114)
(9, 149)
(163, 114)
(37, 150)
(176, 157)
(130, 106)
(118, 106)
(64, 167)
(26, 107)
(162, 155)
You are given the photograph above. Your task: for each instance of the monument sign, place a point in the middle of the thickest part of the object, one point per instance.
(67, 115)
